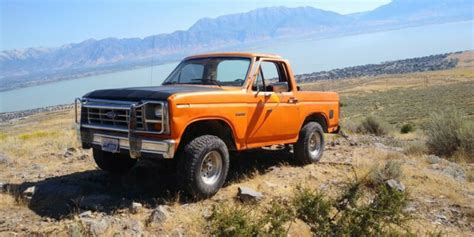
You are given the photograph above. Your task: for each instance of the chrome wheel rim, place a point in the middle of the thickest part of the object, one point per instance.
(314, 144)
(211, 167)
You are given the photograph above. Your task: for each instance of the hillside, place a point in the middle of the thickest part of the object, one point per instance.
(22, 67)
(49, 186)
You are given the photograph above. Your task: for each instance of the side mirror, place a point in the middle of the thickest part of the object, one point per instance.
(278, 87)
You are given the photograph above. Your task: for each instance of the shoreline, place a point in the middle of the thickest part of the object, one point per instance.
(17, 115)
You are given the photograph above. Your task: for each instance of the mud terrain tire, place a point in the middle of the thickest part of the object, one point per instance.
(310, 145)
(113, 162)
(203, 166)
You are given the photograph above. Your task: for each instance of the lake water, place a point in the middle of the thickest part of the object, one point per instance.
(305, 55)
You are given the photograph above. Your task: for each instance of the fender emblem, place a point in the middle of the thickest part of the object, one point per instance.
(240, 114)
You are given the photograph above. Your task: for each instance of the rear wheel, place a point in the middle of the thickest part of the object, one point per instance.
(203, 166)
(113, 162)
(310, 145)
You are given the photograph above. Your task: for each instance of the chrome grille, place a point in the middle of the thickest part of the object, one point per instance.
(118, 118)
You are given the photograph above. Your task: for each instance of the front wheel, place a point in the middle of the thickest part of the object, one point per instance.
(203, 166)
(113, 162)
(310, 145)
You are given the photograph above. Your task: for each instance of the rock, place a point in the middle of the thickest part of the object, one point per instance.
(133, 228)
(395, 184)
(246, 194)
(95, 227)
(4, 160)
(2, 186)
(86, 214)
(84, 157)
(432, 159)
(29, 192)
(136, 207)
(37, 167)
(158, 215)
(71, 149)
(207, 212)
(178, 232)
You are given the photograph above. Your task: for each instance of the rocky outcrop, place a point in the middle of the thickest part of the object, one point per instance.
(421, 64)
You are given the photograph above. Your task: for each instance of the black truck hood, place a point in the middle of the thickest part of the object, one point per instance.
(146, 93)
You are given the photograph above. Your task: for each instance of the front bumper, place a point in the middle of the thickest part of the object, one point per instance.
(129, 140)
(164, 148)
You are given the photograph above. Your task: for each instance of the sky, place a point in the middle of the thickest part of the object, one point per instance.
(52, 23)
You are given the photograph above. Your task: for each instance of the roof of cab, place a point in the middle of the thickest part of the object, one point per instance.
(234, 54)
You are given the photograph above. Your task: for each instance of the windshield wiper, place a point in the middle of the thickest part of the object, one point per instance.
(214, 82)
(170, 83)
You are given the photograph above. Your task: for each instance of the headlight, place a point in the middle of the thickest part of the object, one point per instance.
(157, 117)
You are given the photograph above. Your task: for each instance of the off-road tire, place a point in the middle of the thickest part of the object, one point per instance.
(113, 162)
(191, 161)
(303, 148)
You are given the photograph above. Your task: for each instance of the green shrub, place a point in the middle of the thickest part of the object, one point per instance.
(358, 211)
(372, 125)
(379, 174)
(466, 140)
(449, 134)
(313, 208)
(442, 133)
(247, 221)
(234, 221)
(407, 128)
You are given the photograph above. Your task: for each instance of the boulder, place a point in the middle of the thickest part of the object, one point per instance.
(136, 207)
(395, 184)
(246, 194)
(95, 227)
(158, 215)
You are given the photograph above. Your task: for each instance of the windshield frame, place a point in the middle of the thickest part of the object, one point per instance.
(179, 66)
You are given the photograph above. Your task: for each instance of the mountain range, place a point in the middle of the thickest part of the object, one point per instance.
(23, 67)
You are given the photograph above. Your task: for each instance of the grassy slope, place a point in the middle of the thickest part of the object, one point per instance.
(35, 147)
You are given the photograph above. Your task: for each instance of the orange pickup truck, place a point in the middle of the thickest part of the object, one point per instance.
(210, 105)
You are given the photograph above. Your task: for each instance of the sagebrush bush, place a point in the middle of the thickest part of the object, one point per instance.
(358, 211)
(234, 221)
(250, 221)
(407, 128)
(314, 209)
(448, 133)
(466, 140)
(379, 174)
(442, 132)
(372, 125)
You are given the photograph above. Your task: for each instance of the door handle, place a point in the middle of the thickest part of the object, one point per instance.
(293, 100)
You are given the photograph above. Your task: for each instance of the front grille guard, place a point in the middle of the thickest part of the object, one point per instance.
(133, 137)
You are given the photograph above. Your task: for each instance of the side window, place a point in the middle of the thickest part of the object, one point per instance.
(270, 73)
(191, 72)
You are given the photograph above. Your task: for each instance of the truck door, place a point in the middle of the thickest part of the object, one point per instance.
(270, 114)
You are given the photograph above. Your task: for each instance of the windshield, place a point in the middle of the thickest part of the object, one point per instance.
(221, 71)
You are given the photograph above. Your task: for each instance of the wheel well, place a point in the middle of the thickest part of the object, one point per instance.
(214, 127)
(318, 118)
